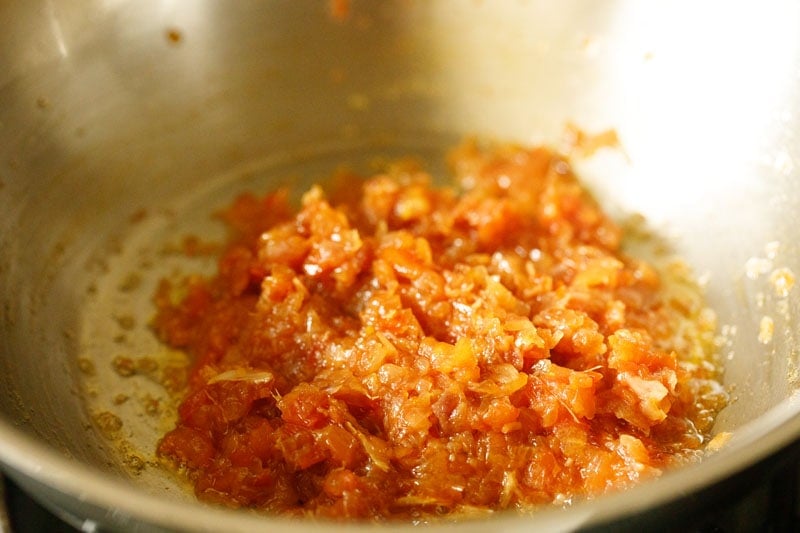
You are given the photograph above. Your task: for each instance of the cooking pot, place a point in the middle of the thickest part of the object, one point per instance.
(125, 124)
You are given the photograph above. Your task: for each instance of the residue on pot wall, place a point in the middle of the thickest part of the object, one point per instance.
(767, 287)
(779, 282)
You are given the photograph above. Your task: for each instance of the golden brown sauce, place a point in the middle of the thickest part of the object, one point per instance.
(399, 350)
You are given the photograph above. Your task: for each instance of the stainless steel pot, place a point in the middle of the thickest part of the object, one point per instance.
(123, 124)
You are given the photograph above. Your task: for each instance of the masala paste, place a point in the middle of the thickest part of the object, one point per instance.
(398, 349)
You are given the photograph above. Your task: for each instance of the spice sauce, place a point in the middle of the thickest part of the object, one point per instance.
(396, 349)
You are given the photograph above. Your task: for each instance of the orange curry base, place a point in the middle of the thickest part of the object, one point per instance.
(418, 351)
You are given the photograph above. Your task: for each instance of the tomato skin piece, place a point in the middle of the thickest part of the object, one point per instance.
(192, 448)
(298, 447)
(306, 407)
(339, 481)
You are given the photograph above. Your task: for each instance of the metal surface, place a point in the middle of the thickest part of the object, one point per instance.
(5, 525)
(123, 124)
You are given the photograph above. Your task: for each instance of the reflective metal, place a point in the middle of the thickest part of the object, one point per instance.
(123, 124)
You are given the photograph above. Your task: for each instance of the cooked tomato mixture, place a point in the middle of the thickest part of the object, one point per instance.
(400, 349)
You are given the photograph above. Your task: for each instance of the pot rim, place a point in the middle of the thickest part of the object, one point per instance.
(28, 458)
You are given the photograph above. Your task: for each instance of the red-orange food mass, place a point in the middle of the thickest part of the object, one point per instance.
(398, 349)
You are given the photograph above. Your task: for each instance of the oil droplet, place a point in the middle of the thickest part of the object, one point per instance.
(766, 329)
(782, 280)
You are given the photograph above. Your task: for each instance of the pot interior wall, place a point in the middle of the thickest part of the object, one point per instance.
(124, 124)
